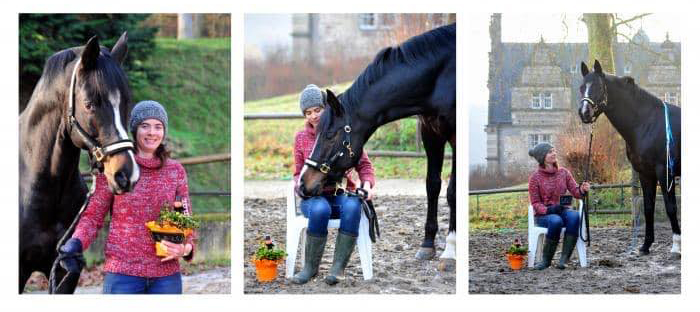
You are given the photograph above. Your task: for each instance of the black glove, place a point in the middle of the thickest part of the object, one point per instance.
(554, 209)
(71, 257)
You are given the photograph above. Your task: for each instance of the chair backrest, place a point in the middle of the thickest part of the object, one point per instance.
(291, 202)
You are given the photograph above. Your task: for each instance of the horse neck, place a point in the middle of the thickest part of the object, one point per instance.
(368, 116)
(46, 148)
(625, 113)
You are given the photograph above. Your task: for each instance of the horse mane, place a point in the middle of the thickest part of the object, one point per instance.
(639, 94)
(430, 45)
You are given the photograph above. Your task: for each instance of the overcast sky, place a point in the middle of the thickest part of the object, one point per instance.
(564, 27)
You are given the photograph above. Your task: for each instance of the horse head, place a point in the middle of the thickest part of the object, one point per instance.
(594, 93)
(98, 104)
(338, 148)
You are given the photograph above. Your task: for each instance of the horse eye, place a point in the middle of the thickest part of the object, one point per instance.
(88, 105)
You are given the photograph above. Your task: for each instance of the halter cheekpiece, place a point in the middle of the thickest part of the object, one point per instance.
(602, 105)
(326, 166)
(96, 150)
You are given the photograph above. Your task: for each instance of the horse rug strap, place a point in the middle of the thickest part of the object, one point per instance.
(669, 152)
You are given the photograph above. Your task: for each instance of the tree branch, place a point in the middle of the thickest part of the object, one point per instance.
(644, 47)
(631, 19)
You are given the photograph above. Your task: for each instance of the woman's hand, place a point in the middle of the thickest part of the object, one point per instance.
(368, 187)
(175, 251)
(585, 187)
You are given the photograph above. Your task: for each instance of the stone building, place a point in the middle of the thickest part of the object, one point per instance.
(533, 88)
(316, 37)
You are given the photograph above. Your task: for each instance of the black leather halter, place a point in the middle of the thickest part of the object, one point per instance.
(96, 150)
(602, 105)
(326, 166)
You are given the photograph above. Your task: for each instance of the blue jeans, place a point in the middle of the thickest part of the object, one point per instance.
(554, 222)
(320, 209)
(126, 284)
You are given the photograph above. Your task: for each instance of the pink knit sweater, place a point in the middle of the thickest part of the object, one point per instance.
(130, 250)
(304, 144)
(546, 186)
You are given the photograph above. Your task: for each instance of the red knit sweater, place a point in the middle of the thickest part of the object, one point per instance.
(130, 250)
(304, 144)
(546, 186)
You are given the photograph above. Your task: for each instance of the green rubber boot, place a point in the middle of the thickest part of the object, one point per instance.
(344, 246)
(313, 252)
(566, 250)
(550, 247)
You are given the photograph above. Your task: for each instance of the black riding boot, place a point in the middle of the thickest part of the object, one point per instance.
(344, 246)
(550, 247)
(313, 252)
(566, 250)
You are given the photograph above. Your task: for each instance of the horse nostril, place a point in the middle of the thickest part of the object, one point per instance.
(122, 180)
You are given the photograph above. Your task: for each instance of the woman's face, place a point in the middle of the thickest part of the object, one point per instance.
(313, 115)
(551, 157)
(149, 135)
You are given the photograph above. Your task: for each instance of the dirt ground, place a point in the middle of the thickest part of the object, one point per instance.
(612, 268)
(396, 270)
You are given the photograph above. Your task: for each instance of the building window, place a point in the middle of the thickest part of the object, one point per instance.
(535, 139)
(628, 69)
(546, 100)
(535, 102)
(671, 98)
(368, 21)
(541, 100)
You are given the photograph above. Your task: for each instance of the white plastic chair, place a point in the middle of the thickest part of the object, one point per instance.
(296, 228)
(536, 236)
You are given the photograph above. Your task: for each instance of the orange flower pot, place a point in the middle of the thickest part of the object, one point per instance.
(266, 270)
(516, 262)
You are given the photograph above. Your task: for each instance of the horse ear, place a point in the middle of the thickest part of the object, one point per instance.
(584, 69)
(334, 103)
(120, 49)
(90, 53)
(628, 80)
(597, 68)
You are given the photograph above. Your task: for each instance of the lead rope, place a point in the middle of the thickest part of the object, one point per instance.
(586, 177)
(52, 276)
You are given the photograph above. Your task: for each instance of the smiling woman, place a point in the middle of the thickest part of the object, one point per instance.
(163, 181)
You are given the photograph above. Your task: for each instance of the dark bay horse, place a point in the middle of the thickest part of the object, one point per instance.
(414, 78)
(641, 120)
(81, 102)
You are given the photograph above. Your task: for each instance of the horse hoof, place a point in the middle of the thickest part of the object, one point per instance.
(447, 265)
(643, 252)
(425, 253)
(676, 255)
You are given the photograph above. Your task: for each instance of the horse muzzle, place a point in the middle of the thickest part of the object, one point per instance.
(122, 172)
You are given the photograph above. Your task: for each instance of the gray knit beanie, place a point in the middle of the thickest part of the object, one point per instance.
(312, 96)
(148, 110)
(540, 151)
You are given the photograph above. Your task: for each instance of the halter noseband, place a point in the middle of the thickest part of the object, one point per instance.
(602, 105)
(94, 147)
(325, 166)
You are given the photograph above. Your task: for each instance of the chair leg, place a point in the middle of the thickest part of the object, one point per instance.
(292, 247)
(364, 247)
(531, 250)
(581, 248)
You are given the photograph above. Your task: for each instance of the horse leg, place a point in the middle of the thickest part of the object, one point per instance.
(435, 151)
(671, 208)
(448, 258)
(649, 193)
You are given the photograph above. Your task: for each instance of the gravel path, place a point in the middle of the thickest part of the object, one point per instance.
(612, 270)
(396, 270)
